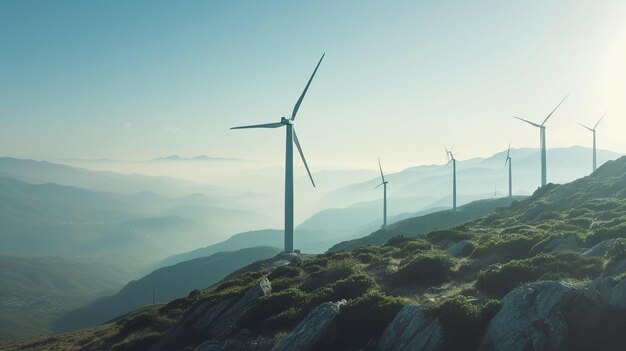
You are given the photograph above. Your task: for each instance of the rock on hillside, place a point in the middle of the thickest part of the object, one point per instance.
(412, 330)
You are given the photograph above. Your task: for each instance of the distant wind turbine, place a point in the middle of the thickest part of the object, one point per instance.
(450, 158)
(384, 184)
(542, 138)
(593, 130)
(508, 160)
(291, 139)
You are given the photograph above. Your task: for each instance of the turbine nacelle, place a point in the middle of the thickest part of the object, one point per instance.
(286, 121)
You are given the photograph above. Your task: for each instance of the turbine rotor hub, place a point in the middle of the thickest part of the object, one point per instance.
(285, 120)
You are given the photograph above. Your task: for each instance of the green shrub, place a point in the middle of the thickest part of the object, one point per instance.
(510, 247)
(285, 272)
(412, 247)
(270, 305)
(447, 235)
(365, 257)
(464, 323)
(364, 319)
(335, 270)
(424, 269)
(616, 251)
(352, 287)
(559, 265)
(398, 241)
(604, 233)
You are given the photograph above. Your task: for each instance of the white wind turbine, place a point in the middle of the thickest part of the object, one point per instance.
(593, 130)
(450, 158)
(291, 138)
(384, 184)
(542, 140)
(508, 161)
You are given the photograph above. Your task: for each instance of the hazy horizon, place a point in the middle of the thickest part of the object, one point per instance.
(140, 82)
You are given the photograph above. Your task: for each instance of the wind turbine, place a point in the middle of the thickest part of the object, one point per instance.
(384, 184)
(450, 158)
(593, 130)
(542, 138)
(508, 160)
(290, 140)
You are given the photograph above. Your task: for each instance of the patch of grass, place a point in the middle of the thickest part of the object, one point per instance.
(364, 319)
(429, 268)
(463, 322)
(554, 266)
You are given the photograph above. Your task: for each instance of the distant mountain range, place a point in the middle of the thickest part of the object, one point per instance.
(40, 172)
(50, 219)
(199, 158)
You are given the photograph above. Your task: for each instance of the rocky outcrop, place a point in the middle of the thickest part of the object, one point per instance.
(533, 317)
(216, 345)
(616, 269)
(611, 289)
(458, 249)
(213, 321)
(312, 329)
(412, 329)
(599, 249)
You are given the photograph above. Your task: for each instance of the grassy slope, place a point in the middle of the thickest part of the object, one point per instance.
(423, 224)
(505, 250)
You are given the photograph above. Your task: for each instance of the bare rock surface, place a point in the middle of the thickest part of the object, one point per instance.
(312, 328)
(532, 317)
(599, 249)
(457, 249)
(412, 329)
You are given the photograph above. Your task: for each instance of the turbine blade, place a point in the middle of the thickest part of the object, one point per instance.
(297, 142)
(378, 186)
(267, 125)
(527, 121)
(557, 106)
(506, 162)
(584, 126)
(601, 118)
(508, 154)
(382, 176)
(297, 106)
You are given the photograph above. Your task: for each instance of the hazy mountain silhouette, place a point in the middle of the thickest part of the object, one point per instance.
(39, 172)
(50, 219)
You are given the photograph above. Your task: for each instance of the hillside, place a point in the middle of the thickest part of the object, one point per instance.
(51, 219)
(35, 291)
(416, 226)
(546, 273)
(163, 285)
(308, 241)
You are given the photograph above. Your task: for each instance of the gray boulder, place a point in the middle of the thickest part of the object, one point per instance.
(224, 324)
(457, 249)
(312, 329)
(616, 269)
(532, 317)
(410, 330)
(610, 290)
(599, 249)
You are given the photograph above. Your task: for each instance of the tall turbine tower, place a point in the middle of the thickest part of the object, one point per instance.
(593, 130)
(384, 184)
(542, 139)
(508, 160)
(291, 139)
(450, 158)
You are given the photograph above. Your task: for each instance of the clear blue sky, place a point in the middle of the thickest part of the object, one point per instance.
(139, 79)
